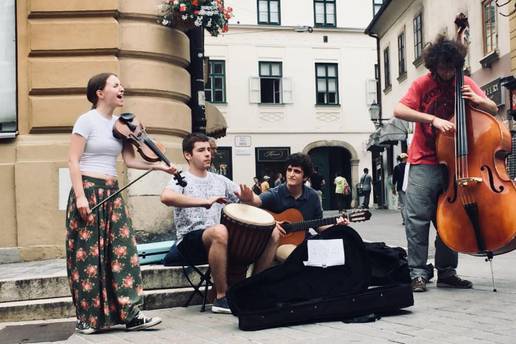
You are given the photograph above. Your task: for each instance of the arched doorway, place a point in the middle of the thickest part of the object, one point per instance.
(331, 160)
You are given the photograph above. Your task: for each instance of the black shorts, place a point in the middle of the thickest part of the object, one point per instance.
(192, 248)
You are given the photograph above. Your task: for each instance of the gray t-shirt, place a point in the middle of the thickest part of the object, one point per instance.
(191, 219)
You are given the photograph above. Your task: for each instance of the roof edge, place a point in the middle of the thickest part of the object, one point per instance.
(369, 28)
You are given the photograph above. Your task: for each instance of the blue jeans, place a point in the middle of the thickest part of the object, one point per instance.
(425, 183)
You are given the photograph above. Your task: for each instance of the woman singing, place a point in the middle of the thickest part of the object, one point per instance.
(102, 261)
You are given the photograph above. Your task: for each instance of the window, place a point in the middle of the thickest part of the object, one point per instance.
(324, 11)
(215, 90)
(489, 26)
(269, 12)
(386, 69)
(418, 36)
(8, 69)
(270, 82)
(402, 66)
(327, 84)
(377, 4)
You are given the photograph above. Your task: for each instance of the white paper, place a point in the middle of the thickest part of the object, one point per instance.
(324, 253)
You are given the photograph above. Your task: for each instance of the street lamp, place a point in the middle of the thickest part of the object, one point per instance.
(374, 113)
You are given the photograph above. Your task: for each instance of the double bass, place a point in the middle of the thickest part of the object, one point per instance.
(475, 214)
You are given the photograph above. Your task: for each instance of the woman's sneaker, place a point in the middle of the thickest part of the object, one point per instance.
(221, 306)
(84, 328)
(141, 322)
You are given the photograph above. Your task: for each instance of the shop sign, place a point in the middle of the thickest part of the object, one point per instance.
(493, 91)
(272, 154)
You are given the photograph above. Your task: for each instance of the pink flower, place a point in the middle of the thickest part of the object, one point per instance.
(120, 251)
(124, 231)
(87, 286)
(182, 8)
(73, 224)
(96, 302)
(93, 321)
(94, 250)
(81, 255)
(116, 266)
(128, 281)
(91, 271)
(84, 234)
(115, 217)
(75, 276)
(84, 304)
(123, 300)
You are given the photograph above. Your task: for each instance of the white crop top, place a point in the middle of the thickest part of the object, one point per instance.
(102, 148)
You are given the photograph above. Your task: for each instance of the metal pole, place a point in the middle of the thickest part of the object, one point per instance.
(197, 101)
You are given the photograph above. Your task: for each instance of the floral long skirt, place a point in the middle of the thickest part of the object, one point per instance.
(102, 260)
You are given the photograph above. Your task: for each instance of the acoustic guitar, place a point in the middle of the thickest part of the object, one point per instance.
(296, 227)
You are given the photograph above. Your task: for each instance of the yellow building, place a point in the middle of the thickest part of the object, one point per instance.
(60, 44)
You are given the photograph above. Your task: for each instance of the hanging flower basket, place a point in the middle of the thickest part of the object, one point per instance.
(181, 24)
(187, 14)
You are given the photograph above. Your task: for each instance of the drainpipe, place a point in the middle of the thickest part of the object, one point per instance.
(380, 190)
(197, 101)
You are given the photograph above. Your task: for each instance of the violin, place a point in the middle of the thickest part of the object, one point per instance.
(129, 129)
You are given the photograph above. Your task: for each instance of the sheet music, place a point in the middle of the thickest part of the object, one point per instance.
(324, 253)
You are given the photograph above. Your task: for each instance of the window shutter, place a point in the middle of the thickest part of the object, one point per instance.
(286, 85)
(254, 90)
(371, 91)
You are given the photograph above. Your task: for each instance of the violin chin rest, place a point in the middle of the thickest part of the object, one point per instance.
(127, 117)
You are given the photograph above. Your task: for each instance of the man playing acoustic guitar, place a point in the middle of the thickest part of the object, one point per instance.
(291, 194)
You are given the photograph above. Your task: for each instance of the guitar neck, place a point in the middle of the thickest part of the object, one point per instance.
(304, 225)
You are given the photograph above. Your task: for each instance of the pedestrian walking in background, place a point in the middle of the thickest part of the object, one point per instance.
(278, 180)
(256, 186)
(317, 182)
(264, 186)
(342, 191)
(397, 183)
(365, 183)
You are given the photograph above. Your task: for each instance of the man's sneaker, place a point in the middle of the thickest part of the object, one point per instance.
(141, 322)
(418, 284)
(454, 281)
(221, 306)
(84, 328)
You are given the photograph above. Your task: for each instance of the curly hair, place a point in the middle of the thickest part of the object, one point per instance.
(445, 52)
(300, 160)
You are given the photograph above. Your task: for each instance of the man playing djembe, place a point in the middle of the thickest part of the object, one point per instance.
(197, 212)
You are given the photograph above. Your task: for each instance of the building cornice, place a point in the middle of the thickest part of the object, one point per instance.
(261, 28)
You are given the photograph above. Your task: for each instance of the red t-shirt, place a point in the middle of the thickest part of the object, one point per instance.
(436, 98)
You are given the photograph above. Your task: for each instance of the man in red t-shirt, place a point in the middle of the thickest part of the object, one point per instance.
(430, 103)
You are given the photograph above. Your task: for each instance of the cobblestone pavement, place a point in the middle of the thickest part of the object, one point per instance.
(438, 316)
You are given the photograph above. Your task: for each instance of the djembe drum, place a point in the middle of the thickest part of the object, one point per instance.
(249, 230)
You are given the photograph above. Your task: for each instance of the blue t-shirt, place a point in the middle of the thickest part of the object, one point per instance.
(278, 199)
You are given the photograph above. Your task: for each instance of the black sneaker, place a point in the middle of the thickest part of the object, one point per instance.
(418, 284)
(454, 281)
(221, 306)
(141, 322)
(84, 328)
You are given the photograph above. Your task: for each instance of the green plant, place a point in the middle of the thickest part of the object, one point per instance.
(210, 14)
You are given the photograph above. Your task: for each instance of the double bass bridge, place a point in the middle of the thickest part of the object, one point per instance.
(469, 181)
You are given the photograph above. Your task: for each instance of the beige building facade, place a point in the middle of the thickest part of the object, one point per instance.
(60, 44)
(416, 23)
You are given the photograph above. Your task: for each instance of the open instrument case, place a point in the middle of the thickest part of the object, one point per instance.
(374, 279)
